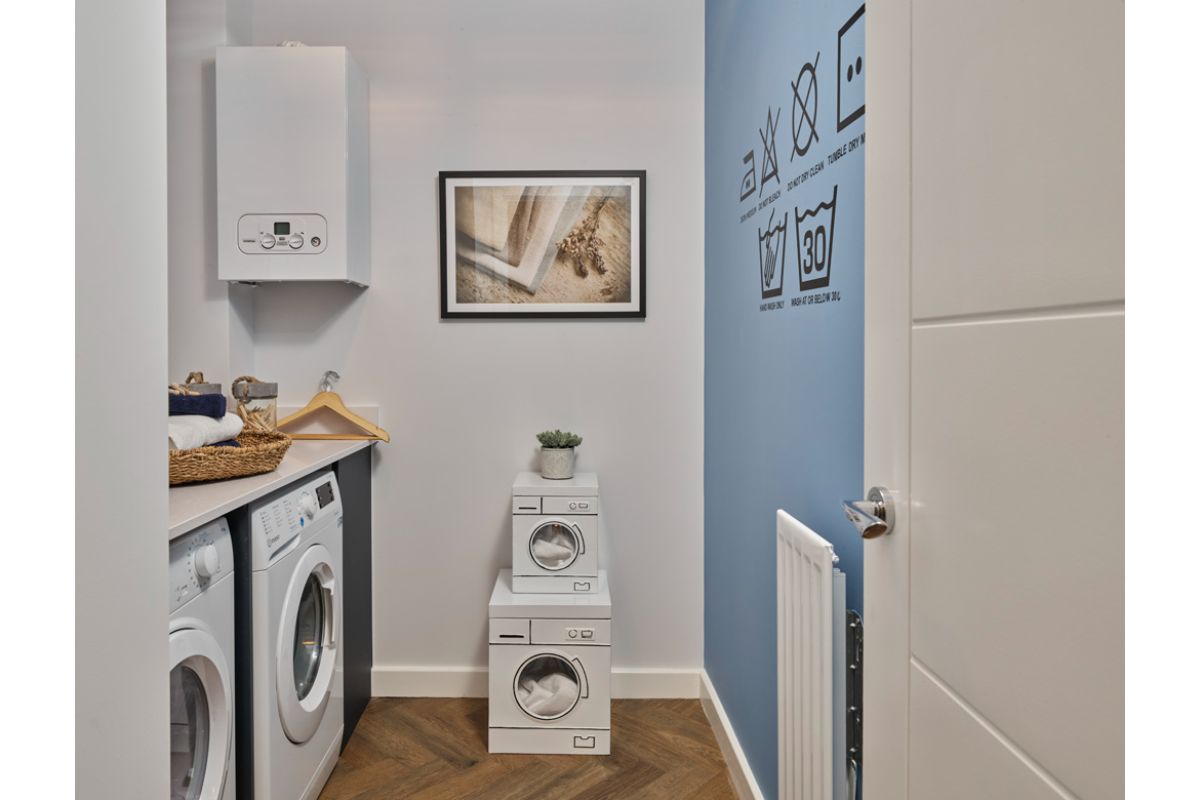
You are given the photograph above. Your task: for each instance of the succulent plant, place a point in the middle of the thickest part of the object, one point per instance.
(557, 439)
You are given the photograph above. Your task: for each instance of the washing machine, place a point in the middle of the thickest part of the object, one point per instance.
(296, 624)
(556, 534)
(200, 595)
(549, 670)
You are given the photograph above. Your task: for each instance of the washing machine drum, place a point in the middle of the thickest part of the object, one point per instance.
(548, 686)
(555, 545)
(201, 717)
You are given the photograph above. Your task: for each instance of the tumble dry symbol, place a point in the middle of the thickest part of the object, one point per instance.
(804, 101)
(772, 250)
(814, 243)
(851, 82)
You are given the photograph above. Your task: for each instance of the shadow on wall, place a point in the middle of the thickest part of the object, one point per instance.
(305, 315)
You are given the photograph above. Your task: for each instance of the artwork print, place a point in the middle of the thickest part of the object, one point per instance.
(542, 244)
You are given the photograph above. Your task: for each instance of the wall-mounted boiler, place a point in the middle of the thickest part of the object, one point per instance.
(293, 194)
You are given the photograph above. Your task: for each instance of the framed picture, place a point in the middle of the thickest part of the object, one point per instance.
(543, 244)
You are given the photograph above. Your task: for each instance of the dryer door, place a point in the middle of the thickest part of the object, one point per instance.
(307, 647)
(201, 716)
(549, 685)
(555, 544)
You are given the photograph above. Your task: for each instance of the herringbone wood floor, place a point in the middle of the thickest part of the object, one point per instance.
(436, 749)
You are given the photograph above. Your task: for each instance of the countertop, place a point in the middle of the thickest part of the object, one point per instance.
(192, 506)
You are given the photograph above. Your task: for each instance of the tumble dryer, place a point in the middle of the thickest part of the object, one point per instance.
(549, 670)
(296, 616)
(200, 595)
(556, 534)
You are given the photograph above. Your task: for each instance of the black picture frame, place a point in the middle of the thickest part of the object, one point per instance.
(451, 309)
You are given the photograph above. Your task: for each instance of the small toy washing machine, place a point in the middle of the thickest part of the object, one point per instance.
(549, 670)
(556, 534)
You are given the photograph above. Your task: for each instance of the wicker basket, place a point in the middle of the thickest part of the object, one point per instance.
(260, 451)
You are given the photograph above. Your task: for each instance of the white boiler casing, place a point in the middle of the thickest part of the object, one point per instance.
(293, 194)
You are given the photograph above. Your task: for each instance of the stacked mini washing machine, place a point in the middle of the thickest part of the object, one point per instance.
(549, 626)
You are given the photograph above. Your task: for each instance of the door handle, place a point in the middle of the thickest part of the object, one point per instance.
(874, 516)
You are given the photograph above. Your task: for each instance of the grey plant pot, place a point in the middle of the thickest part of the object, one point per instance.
(558, 463)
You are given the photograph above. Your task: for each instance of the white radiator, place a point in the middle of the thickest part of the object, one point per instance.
(807, 604)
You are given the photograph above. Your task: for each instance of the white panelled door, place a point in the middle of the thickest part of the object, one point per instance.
(995, 399)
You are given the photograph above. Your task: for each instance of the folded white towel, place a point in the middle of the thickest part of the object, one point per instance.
(549, 695)
(189, 431)
(554, 550)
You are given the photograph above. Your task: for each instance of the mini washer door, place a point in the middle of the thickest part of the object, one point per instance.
(201, 719)
(307, 650)
(554, 544)
(548, 685)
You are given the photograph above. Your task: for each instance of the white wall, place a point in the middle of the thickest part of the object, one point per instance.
(120, 470)
(515, 85)
(211, 322)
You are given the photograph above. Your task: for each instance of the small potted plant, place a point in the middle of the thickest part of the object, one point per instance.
(558, 454)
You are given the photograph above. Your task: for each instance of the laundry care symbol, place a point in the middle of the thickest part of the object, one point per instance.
(750, 179)
(851, 82)
(772, 252)
(804, 109)
(814, 243)
(770, 164)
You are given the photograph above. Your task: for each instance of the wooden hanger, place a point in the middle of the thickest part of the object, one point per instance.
(329, 399)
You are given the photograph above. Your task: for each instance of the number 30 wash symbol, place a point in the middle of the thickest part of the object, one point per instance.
(814, 243)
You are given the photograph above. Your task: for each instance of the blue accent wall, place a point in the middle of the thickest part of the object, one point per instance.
(783, 329)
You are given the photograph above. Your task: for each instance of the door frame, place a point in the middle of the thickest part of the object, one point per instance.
(887, 315)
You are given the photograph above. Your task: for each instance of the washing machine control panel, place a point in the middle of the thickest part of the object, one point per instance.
(197, 560)
(568, 631)
(279, 520)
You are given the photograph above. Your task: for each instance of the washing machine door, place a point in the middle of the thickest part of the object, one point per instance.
(201, 716)
(308, 640)
(548, 685)
(554, 544)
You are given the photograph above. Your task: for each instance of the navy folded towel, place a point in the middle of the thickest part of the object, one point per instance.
(208, 405)
(227, 443)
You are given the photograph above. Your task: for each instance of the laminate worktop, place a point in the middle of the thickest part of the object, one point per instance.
(193, 505)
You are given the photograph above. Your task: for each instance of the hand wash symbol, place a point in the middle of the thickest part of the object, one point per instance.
(772, 249)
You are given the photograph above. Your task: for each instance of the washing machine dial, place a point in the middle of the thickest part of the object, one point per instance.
(206, 561)
(296, 242)
(308, 506)
(267, 241)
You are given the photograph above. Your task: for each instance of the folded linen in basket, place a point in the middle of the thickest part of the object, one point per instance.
(190, 431)
(548, 696)
(208, 405)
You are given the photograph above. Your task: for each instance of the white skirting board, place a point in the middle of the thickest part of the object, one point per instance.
(740, 774)
(627, 683)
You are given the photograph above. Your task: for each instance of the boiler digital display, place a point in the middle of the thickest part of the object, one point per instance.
(283, 228)
(325, 494)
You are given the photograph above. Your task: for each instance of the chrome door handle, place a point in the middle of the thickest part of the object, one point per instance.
(874, 516)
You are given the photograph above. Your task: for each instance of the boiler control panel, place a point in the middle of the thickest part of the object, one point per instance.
(282, 234)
